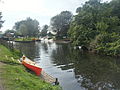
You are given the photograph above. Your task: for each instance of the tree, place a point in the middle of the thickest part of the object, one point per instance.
(23, 30)
(28, 27)
(97, 26)
(115, 4)
(44, 31)
(1, 21)
(83, 29)
(9, 31)
(60, 23)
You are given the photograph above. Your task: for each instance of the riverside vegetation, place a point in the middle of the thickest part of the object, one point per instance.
(14, 75)
(97, 26)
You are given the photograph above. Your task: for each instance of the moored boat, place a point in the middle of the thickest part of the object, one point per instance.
(31, 65)
(39, 72)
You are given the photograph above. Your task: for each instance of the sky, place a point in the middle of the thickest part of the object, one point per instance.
(41, 10)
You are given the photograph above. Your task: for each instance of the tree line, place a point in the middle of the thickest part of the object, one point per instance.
(59, 24)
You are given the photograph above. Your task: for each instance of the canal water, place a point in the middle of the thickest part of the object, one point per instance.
(74, 69)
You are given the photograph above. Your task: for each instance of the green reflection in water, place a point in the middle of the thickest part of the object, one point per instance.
(94, 72)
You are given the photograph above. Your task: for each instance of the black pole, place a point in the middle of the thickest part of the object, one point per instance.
(56, 82)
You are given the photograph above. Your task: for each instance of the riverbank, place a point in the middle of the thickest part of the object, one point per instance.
(15, 76)
(26, 40)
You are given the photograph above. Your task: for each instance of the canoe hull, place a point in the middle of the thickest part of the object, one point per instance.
(34, 68)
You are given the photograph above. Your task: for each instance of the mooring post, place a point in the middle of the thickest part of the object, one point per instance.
(56, 81)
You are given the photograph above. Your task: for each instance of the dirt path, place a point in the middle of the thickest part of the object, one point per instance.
(1, 79)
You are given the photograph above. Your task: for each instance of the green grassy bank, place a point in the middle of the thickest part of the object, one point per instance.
(15, 75)
(26, 39)
(23, 39)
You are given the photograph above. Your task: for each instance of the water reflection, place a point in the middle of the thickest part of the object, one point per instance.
(29, 49)
(61, 57)
(93, 72)
(76, 70)
(96, 72)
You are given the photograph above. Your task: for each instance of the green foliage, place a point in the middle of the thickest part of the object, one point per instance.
(27, 28)
(101, 26)
(109, 44)
(60, 23)
(44, 31)
(97, 26)
(9, 31)
(1, 21)
(116, 7)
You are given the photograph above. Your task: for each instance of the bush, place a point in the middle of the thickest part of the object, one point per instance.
(108, 44)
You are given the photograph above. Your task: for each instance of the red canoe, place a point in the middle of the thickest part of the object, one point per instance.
(31, 65)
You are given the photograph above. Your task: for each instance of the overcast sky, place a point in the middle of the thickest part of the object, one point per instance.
(41, 10)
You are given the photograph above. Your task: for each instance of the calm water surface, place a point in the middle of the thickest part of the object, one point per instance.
(74, 69)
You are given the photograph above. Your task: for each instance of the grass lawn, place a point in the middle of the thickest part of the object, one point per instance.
(15, 75)
(25, 39)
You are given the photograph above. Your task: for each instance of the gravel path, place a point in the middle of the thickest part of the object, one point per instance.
(1, 80)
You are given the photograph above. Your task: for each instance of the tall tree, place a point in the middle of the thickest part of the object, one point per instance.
(28, 27)
(1, 21)
(116, 7)
(44, 31)
(83, 28)
(61, 23)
